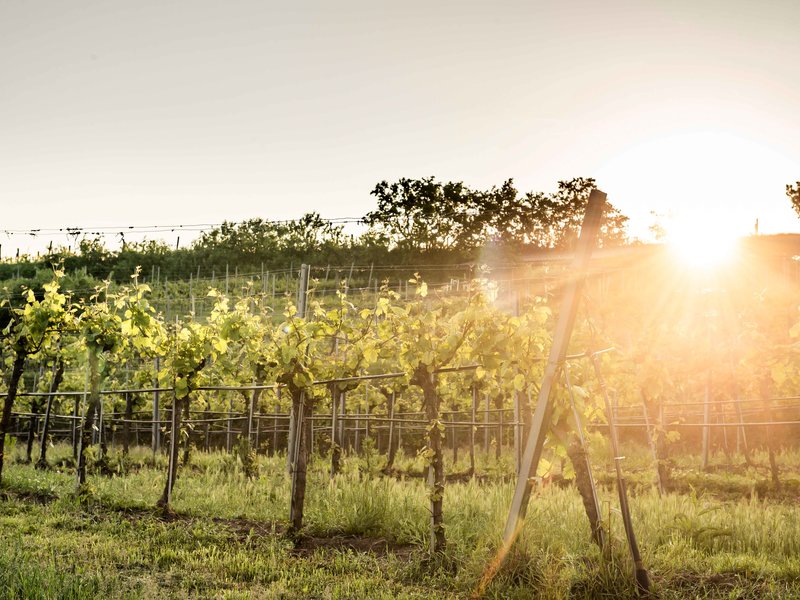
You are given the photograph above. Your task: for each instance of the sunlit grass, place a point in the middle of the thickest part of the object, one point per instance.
(689, 541)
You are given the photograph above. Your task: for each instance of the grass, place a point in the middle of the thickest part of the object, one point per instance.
(367, 534)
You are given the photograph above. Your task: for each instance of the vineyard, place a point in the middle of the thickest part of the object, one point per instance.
(334, 440)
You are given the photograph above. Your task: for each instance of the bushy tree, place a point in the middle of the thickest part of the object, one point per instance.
(793, 191)
(425, 215)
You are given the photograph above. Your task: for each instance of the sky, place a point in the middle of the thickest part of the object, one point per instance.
(191, 111)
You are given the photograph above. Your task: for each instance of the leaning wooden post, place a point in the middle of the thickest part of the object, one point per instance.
(642, 578)
(583, 472)
(558, 352)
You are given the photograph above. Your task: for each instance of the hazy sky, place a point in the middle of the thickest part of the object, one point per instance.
(192, 111)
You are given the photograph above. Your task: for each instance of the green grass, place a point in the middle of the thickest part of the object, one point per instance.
(226, 539)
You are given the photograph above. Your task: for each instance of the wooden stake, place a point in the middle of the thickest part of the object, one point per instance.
(651, 442)
(156, 427)
(592, 503)
(642, 578)
(336, 450)
(472, 428)
(706, 422)
(542, 415)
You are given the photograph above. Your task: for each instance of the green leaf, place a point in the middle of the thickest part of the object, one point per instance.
(519, 382)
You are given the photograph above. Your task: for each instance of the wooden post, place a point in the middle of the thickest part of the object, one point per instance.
(349, 277)
(640, 573)
(342, 413)
(75, 420)
(742, 431)
(706, 422)
(498, 450)
(263, 285)
(275, 421)
(773, 463)
(581, 462)
(55, 382)
(651, 442)
(298, 468)
(392, 447)
(358, 430)
(399, 429)
(453, 439)
(309, 433)
(291, 441)
(251, 410)
(302, 291)
(126, 424)
(517, 433)
(93, 403)
(156, 427)
(336, 450)
(229, 426)
(207, 426)
(472, 428)
(366, 410)
(486, 424)
(174, 442)
(558, 351)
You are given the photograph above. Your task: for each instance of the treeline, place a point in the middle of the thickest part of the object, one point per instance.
(415, 221)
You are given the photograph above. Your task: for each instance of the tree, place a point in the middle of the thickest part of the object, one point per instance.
(423, 214)
(793, 191)
(427, 215)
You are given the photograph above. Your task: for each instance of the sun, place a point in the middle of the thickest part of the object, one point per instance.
(702, 243)
(715, 181)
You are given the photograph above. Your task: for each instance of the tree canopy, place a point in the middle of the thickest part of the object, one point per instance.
(425, 214)
(793, 191)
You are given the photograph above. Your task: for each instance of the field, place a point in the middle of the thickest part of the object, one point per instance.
(372, 444)
(728, 535)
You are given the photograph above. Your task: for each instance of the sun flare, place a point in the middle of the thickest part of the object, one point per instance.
(702, 245)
